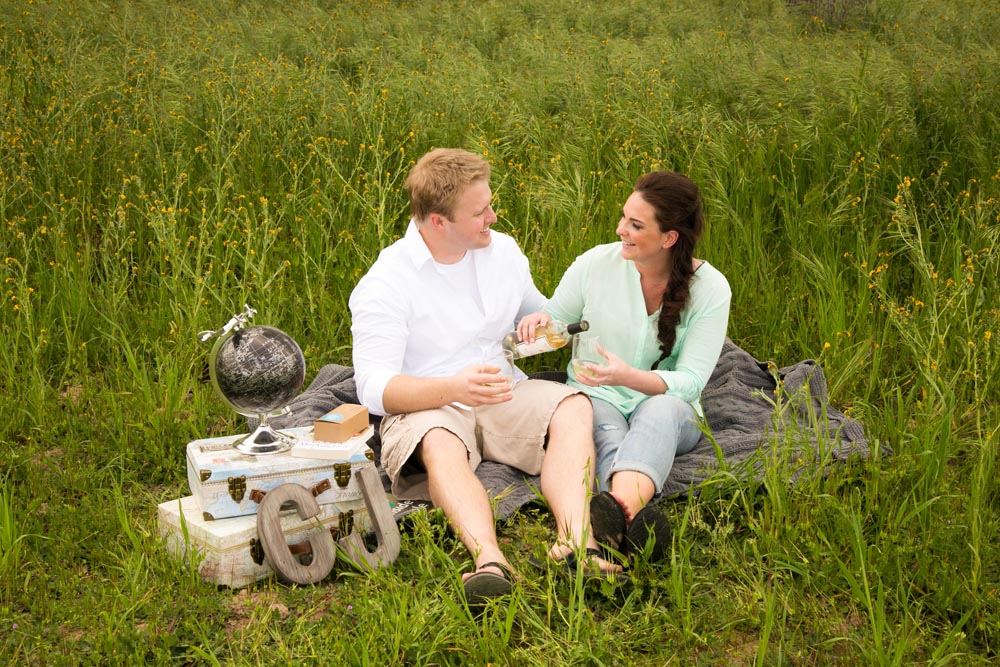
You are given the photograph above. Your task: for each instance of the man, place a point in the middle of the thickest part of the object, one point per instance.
(430, 311)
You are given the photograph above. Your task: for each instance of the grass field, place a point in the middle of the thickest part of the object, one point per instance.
(163, 163)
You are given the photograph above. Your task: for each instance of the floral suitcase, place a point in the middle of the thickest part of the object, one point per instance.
(230, 551)
(228, 483)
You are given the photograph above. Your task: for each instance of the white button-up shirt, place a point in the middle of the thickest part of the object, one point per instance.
(409, 317)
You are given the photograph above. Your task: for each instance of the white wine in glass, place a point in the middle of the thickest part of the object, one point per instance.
(585, 352)
(504, 360)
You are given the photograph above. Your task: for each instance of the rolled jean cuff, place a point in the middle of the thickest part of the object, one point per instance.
(658, 477)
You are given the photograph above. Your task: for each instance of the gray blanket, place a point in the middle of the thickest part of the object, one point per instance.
(745, 415)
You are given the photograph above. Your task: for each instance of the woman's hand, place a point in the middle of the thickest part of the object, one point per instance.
(618, 373)
(526, 327)
(615, 372)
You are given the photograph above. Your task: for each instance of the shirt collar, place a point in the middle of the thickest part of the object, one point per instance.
(417, 250)
(420, 254)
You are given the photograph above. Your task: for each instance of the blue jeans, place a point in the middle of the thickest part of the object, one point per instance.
(661, 428)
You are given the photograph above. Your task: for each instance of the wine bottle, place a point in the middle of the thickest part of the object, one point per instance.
(548, 337)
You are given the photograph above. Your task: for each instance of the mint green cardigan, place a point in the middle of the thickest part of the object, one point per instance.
(603, 288)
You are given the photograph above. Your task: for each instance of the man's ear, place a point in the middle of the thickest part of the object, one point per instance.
(671, 239)
(436, 220)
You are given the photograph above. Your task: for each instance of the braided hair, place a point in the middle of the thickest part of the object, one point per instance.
(677, 204)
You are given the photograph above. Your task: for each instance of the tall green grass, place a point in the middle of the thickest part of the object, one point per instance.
(163, 163)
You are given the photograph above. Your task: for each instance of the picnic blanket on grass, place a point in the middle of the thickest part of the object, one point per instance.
(749, 405)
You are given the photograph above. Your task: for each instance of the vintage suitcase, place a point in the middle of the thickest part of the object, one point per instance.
(230, 549)
(228, 483)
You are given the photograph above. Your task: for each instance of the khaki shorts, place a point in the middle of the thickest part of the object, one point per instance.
(513, 433)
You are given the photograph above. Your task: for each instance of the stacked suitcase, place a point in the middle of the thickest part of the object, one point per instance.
(219, 519)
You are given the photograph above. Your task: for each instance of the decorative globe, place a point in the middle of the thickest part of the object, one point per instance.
(257, 369)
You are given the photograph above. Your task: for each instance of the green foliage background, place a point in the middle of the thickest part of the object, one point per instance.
(163, 163)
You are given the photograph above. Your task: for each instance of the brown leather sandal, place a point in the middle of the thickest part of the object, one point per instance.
(483, 586)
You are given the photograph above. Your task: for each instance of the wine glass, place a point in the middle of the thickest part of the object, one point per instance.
(504, 360)
(585, 352)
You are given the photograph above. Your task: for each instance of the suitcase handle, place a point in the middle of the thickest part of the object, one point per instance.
(303, 548)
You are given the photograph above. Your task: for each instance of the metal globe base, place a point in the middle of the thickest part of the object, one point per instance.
(264, 440)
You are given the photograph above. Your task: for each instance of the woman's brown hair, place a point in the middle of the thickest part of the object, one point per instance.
(677, 205)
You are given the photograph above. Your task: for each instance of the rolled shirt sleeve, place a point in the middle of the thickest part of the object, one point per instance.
(568, 301)
(531, 301)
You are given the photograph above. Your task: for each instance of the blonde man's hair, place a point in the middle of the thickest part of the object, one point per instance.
(439, 177)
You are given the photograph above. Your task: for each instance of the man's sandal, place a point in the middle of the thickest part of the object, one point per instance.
(483, 586)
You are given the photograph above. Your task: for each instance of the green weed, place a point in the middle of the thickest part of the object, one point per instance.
(161, 164)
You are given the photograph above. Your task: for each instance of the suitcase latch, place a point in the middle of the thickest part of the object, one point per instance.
(257, 495)
(256, 551)
(342, 474)
(237, 488)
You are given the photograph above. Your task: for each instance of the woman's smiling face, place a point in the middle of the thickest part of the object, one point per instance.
(642, 240)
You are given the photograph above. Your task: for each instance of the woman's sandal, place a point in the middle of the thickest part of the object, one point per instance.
(608, 520)
(614, 531)
(483, 586)
(650, 529)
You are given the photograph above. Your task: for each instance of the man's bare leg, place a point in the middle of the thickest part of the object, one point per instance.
(568, 477)
(455, 488)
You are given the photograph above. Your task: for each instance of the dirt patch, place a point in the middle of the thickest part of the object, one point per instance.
(247, 604)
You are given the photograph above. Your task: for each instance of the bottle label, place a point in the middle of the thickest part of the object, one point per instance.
(540, 345)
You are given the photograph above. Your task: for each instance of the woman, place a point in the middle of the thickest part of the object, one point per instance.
(661, 316)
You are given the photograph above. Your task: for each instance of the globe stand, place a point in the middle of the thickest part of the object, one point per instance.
(265, 439)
